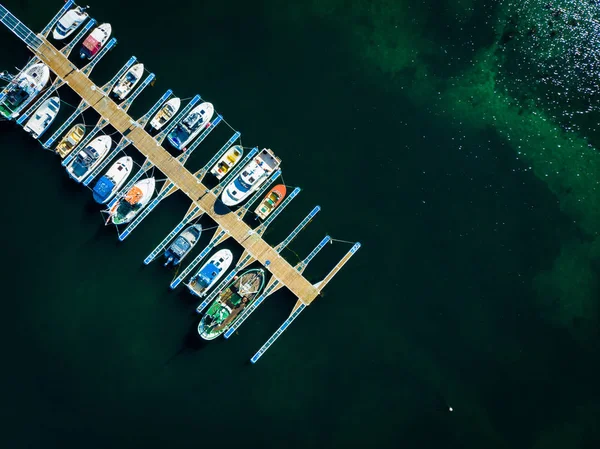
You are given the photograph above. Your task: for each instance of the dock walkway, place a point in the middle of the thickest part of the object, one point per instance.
(175, 171)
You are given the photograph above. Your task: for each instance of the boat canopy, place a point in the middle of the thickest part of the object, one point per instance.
(207, 274)
(180, 246)
(92, 44)
(103, 188)
(134, 195)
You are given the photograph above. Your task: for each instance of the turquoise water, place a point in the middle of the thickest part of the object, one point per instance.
(448, 304)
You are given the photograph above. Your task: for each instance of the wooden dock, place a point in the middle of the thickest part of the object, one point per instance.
(183, 179)
(230, 224)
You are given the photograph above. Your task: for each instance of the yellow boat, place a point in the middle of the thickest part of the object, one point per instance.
(70, 141)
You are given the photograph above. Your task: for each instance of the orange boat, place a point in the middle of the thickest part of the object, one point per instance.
(271, 201)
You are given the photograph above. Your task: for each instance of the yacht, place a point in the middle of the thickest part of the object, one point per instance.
(226, 163)
(210, 272)
(23, 89)
(70, 141)
(128, 81)
(109, 184)
(69, 23)
(183, 244)
(88, 158)
(43, 117)
(166, 113)
(134, 201)
(253, 175)
(190, 127)
(95, 41)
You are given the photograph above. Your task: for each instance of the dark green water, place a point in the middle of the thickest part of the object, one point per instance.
(439, 308)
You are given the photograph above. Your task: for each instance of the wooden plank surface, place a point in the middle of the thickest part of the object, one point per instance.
(176, 172)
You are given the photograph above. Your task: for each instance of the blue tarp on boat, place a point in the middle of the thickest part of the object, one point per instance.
(103, 189)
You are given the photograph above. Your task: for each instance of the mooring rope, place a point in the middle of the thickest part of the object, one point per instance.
(341, 241)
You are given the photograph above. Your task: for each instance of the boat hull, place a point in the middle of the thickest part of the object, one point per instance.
(166, 113)
(228, 306)
(270, 201)
(77, 169)
(109, 184)
(146, 187)
(70, 141)
(128, 81)
(183, 244)
(69, 23)
(209, 274)
(23, 90)
(95, 41)
(184, 134)
(43, 117)
(251, 178)
(227, 162)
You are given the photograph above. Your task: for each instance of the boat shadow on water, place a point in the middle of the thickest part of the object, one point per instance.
(192, 342)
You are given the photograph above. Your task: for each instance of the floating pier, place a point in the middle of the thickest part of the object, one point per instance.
(203, 199)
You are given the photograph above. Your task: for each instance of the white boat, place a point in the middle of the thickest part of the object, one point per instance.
(43, 117)
(192, 125)
(95, 41)
(109, 184)
(253, 175)
(23, 89)
(133, 202)
(210, 272)
(183, 244)
(166, 113)
(226, 163)
(128, 81)
(69, 23)
(88, 158)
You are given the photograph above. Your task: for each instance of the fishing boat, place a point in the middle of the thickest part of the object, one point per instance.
(190, 127)
(23, 89)
(226, 309)
(226, 163)
(109, 184)
(88, 158)
(43, 117)
(134, 201)
(183, 244)
(270, 201)
(70, 141)
(210, 272)
(69, 23)
(253, 175)
(128, 81)
(166, 113)
(95, 41)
